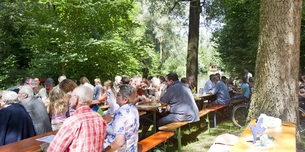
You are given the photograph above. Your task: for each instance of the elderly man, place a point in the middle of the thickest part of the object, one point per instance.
(84, 130)
(179, 100)
(15, 122)
(209, 85)
(36, 109)
(44, 92)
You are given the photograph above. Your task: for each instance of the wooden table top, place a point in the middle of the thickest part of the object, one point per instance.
(285, 139)
(26, 145)
(148, 106)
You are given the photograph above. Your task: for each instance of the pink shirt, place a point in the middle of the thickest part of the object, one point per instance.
(58, 118)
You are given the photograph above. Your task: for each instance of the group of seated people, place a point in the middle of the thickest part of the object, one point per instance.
(67, 108)
(221, 87)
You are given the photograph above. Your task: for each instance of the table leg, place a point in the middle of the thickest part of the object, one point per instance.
(155, 121)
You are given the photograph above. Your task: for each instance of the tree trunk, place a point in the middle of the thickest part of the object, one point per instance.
(277, 64)
(192, 49)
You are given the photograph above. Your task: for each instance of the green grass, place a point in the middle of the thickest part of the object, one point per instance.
(198, 139)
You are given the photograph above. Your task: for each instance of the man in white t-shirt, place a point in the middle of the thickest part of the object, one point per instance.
(247, 74)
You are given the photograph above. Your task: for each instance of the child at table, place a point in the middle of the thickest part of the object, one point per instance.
(57, 108)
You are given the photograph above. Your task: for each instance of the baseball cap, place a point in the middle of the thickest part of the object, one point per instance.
(49, 81)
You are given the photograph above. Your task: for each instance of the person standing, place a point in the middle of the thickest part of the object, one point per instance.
(36, 109)
(247, 74)
(84, 130)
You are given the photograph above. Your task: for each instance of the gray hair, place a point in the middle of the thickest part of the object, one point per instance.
(27, 90)
(85, 95)
(9, 97)
(128, 91)
(155, 81)
(119, 78)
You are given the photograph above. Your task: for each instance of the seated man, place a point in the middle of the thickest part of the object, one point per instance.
(36, 109)
(15, 122)
(221, 90)
(83, 131)
(180, 102)
(209, 85)
(244, 92)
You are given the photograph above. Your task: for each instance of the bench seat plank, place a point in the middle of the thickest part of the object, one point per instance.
(154, 140)
(173, 126)
(216, 107)
(203, 112)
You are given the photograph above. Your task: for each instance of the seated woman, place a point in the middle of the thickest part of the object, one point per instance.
(15, 123)
(110, 98)
(122, 131)
(244, 92)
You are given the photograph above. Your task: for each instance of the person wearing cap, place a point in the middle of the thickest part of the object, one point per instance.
(44, 92)
(60, 79)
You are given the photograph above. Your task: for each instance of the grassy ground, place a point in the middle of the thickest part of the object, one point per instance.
(198, 139)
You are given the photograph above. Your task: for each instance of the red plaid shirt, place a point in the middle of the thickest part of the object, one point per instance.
(84, 131)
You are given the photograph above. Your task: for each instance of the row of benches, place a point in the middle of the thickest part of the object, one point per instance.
(167, 131)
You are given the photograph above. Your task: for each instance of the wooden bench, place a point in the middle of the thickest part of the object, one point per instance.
(204, 112)
(173, 127)
(214, 109)
(154, 140)
(237, 101)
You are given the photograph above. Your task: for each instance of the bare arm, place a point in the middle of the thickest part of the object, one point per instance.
(116, 144)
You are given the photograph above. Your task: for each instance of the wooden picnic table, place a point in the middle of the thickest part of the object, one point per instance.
(150, 109)
(285, 139)
(26, 145)
(33, 145)
(202, 98)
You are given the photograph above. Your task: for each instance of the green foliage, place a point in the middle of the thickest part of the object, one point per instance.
(85, 38)
(236, 41)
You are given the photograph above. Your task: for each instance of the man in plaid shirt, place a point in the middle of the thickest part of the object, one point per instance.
(85, 130)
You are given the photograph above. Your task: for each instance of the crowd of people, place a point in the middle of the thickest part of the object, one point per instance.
(72, 109)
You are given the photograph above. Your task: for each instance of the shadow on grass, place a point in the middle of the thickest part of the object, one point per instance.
(199, 139)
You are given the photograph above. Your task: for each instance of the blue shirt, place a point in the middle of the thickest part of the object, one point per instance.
(247, 92)
(181, 102)
(209, 85)
(221, 90)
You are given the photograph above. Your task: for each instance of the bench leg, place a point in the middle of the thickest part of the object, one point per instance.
(215, 119)
(208, 121)
(179, 139)
(155, 121)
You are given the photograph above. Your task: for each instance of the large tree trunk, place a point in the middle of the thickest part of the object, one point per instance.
(277, 64)
(192, 49)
